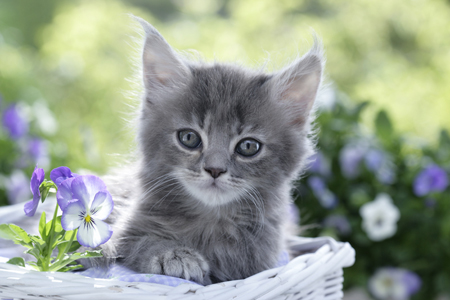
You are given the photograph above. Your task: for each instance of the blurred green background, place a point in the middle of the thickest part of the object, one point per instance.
(78, 57)
(75, 63)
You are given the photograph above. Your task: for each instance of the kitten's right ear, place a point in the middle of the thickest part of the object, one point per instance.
(161, 66)
(297, 85)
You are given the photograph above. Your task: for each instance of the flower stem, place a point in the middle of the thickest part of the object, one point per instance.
(50, 245)
(68, 245)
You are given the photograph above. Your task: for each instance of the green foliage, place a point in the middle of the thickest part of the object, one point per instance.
(52, 236)
(18, 261)
(420, 243)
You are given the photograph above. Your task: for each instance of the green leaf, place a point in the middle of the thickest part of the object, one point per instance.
(359, 109)
(58, 231)
(68, 234)
(16, 234)
(74, 256)
(6, 232)
(20, 233)
(383, 125)
(62, 245)
(444, 138)
(87, 254)
(44, 188)
(18, 261)
(74, 247)
(39, 244)
(70, 268)
(37, 265)
(42, 222)
(36, 239)
(44, 193)
(35, 252)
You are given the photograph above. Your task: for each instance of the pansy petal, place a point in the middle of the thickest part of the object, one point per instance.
(60, 174)
(73, 215)
(36, 179)
(31, 206)
(102, 205)
(64, 193)
(85, 188)
(94, 233)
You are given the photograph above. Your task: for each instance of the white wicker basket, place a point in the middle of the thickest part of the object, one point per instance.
(316, 273)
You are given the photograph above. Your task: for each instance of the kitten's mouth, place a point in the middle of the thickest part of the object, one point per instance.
(210, 191)
(215, 185)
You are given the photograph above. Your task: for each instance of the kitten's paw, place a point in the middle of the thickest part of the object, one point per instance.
(181, 262)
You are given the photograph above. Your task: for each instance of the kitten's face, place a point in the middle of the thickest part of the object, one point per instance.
(222, 133)
(223, 138)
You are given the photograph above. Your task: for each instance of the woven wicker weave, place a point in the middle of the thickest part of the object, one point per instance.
(316, 273)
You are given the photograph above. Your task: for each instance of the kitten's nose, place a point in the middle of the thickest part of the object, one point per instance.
(215, 172)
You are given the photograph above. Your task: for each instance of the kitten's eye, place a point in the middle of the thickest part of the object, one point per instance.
(189, 138)
(248, 147)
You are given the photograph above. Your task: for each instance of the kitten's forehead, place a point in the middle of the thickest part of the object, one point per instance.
(227, 96)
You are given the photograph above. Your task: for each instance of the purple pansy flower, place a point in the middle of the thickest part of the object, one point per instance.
(60, 174)
(339, 222)
(14, 122)
(350, 159)
(326, 198)
(36, 179)
(431, 179)
(394, 283)
(320, 165)
(374, 158)
(86, 203)
(37, 149)
(378, 162)
(317, 184)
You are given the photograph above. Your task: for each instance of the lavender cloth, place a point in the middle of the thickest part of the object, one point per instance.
(122, 273)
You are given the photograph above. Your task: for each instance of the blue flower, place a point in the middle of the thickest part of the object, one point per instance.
(378, 162)
(317, 184)
(350, 159)
(36, 179)
(339, 222)
(431, 179)
(37, 149)
(374, 158)
(320, 165)
(326, 198)
(14, 122)
(85, 203)
(60, 174)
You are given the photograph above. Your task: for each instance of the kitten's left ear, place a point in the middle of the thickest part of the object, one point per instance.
(297, 85)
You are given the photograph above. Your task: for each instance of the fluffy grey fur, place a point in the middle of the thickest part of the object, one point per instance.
(210, 214)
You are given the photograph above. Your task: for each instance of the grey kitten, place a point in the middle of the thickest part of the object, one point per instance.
(219, 147)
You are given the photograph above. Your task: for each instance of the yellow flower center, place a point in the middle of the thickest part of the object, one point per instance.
(88, 218)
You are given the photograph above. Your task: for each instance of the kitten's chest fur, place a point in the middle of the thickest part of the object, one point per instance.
(229, 238)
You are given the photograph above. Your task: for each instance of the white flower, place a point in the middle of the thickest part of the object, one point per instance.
(387, 283)
(380, 217)
(394, 283)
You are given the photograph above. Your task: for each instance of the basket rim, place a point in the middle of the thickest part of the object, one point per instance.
(324, 262)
